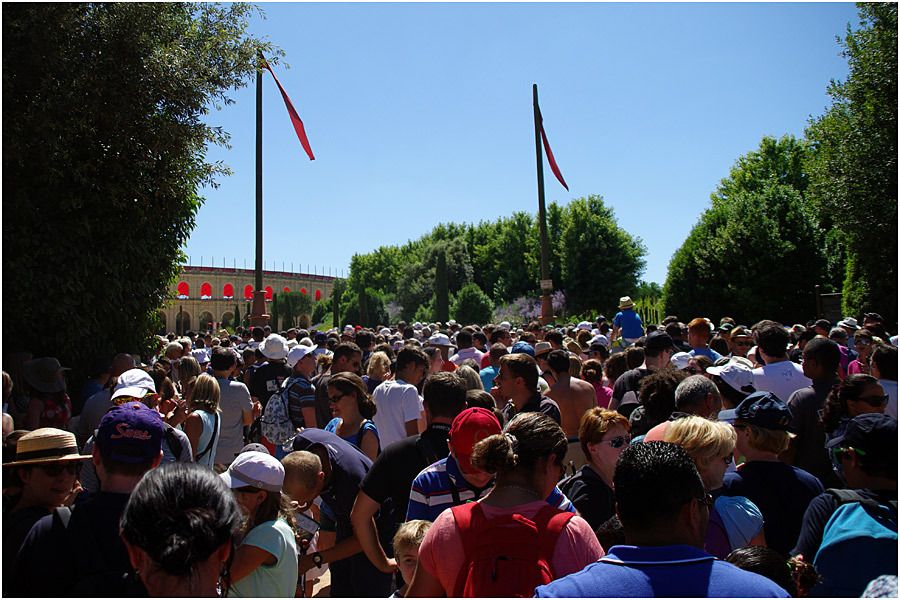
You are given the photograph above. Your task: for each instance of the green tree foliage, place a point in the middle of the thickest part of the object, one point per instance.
(237, 315)
(104, 143)
(600, 261)
(273, 312)
(853, 168)
(376, 313)
(337, 293)
(319, 312)
(756, 253)
(471, 305)
(441, 293)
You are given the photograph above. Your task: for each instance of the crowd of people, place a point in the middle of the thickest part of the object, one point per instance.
(605, 458)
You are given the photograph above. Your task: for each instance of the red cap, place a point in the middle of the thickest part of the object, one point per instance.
(470, 427)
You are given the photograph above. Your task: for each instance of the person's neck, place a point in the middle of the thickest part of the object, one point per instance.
(773, 359)
(561, 377)
(661, 536)
(441, 420)
(521, 398)
(221, 374)
(512, 490)
(605, 474)
(404, 375)
(873, 482)
(119, 484)
(351, 423)
(652, 363)
(751, 454)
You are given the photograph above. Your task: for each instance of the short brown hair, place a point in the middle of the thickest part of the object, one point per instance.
(596, 422)
(522, 366)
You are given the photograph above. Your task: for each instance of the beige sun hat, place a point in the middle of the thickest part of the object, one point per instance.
(46, 445)
(625, 302)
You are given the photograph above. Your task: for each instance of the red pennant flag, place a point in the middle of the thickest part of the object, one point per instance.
(295, 118)
(550, 159)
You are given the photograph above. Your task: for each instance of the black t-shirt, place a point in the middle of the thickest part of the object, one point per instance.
(267, 380)
(78, 560)
(819, 512)
(626, 391)
(390, 479)
(592, 498)
(811, 455)
(348, 468)
(536, 403)
(16, 526)
(781, 492)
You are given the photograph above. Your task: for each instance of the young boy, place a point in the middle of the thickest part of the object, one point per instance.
(406, 550)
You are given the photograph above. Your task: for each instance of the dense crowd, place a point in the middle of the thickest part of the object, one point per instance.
(605, 458)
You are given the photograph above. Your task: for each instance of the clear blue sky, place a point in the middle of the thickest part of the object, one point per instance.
(421, 113)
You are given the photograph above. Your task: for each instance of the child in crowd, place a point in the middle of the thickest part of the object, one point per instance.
(406, 550)
(302, 474)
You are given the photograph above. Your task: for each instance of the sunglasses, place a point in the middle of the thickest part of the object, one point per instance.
(874, 400)
(863, 342)
(743, 343)
(70, 468)
(691, 370)
(618, 441)
(335, 399)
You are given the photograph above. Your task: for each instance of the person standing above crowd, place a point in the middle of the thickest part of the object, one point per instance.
(778, 375)
(48, 403)
(864, 343)
(627, 323)
(664, 509)
(458, 556)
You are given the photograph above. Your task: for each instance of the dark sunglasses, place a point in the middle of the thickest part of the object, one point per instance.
(874, 400)
(742, 343)
(691, 370)
(618, 441)
(335, 399)
(55, 470)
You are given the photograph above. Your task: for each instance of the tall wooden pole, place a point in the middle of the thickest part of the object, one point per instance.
(546, 283)
(259, 316)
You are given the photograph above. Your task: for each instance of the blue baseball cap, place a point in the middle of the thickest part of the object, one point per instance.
(763, 409)
(523, 348)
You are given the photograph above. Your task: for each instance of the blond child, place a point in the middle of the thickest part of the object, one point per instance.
(406, 550)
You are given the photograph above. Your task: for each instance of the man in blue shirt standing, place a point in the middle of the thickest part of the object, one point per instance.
(627, 323)
(664, 510)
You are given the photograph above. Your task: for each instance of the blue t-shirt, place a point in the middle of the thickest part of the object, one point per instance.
(781, 492)
(487, 375)
(629, 322)
(356, 438)
(707, 352)
(660, 571)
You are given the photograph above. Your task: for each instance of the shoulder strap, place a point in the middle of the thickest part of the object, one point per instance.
(551, 526)
(850, 496)
(173, 441)
(212, 437)
(469, 521)
(62, 515)
(426, 450)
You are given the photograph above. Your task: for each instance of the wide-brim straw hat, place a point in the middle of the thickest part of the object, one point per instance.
(625, 302)
(46, 445)
(44, 375)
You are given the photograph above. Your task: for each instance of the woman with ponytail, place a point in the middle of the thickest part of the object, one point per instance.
(461, 554)
(179, 528)
(856, 395)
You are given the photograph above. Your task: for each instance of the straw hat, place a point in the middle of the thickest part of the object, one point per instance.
(625, 302)
(44, 375)
(46, 445)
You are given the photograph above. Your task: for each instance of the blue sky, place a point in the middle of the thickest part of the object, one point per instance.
(421, 113)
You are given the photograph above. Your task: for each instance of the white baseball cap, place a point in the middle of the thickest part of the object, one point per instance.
(681, 360)
(298, 353)
(736, 374)
(134, 383)
(255, 469)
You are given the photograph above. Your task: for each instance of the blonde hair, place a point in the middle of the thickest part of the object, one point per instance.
(379, 366)
(470, 378)
(575, 365)
(410, 535)
(597, 421)
(206, 394)
(769, 440)
(703, 439)
(304, 466)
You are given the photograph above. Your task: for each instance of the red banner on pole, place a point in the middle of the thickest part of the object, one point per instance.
(295, 118)
(553, 166)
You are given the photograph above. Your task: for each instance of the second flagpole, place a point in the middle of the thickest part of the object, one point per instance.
(546, 282)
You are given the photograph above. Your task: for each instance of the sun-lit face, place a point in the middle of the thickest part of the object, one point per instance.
(343, 405)
(406, 562)
(299, 492)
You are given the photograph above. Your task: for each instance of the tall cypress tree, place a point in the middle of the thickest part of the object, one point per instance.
(441, 288)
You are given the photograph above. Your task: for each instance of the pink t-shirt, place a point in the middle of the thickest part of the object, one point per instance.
(604, 395)
(441, 552)
(855, 367)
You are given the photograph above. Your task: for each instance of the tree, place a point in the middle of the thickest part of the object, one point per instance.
(441, 293)
(104, 142)
(472, 305)
(237, 315)
(600, 261)
(853, 166)
(337, 292)
(376, 314)
(319, 312)
(273, 317)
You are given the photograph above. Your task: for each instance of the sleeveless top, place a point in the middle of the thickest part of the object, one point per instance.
(356, 438)
(211, 429)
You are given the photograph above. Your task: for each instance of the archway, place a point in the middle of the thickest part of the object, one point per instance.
(228, 291)
(184, 289)
(287, 290)
(303, 291)
(248, 292)
(269, 292)
(205, 322)
(182, 322)
(318, 295)
(205, 291)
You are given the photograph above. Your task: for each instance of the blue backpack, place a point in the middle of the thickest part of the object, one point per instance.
(859, 543)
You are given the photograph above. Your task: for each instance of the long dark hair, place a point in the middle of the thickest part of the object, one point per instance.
(352, 384)
(527, 438)
(179, 514)
(836, 404)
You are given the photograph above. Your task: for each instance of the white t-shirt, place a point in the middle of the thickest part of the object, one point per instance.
(781, 378)
(890, 388)
(465, 354)
(397, 402)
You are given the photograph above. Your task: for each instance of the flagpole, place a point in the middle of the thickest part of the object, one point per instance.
(259, 296)
(546, 283)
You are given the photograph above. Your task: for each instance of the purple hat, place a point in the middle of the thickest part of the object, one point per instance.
(130, 433)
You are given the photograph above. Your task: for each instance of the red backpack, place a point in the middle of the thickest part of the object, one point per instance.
(506, 556)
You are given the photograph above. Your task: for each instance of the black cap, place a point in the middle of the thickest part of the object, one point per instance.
(871, 432)
(254, 448)
(658, 341)
(763, 409)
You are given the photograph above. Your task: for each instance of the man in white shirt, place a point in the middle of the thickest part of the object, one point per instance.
(397, 401)
(779, 375)
(465, 349)
(884, 368)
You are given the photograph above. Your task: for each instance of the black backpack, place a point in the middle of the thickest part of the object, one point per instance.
(95, 576)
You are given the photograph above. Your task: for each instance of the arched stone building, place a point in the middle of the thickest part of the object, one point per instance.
(204, 295)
